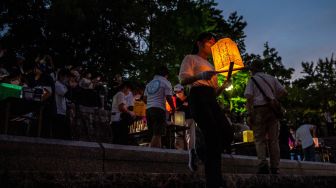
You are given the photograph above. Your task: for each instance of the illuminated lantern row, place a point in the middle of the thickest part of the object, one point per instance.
(224, 52)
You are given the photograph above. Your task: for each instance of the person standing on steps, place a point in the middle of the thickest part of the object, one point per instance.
(261, 118)
(157, 92)
(197, 72)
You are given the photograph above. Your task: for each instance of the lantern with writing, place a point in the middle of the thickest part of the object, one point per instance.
(224, 52)
(179, 118)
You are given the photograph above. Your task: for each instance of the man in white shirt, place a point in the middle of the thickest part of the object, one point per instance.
(305, 139)
(121, 117)
(262, 119)
(61, 128)
(129, 101)
(156, 93)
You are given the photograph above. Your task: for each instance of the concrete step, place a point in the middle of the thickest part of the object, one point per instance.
(156, 180)
(25, 159)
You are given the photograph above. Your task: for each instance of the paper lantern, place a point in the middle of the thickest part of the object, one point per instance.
(248, 136)
(179, 118)
(224, 52)
(168, 108)
(139, 108)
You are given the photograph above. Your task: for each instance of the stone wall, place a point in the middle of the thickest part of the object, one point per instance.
(34, 162)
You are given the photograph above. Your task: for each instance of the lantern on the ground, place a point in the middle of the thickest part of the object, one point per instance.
(248, 136)
(224, 52)
(179, 118)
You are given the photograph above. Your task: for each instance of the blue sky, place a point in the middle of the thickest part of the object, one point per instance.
(300, 30)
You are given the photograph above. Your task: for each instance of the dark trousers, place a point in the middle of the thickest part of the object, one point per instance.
(61, 128)
(210, 119)
(120, 129)
(309, 153)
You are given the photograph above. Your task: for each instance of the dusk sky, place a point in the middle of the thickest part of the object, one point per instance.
(300, 30)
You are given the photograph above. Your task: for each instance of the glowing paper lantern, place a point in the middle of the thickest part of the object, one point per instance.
(248, 136)
(179, 118)
(224, 52)
(168, 108)
(316, 142)
(139, 108)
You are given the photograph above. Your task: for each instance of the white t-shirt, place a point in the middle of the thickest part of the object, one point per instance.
(129, 99)
(118, 98)
(252, 90)
(193, 65)
(156, 92)
(60, 91)
(303, 134)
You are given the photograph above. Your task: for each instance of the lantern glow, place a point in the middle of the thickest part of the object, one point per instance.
(248, 136)
(179, 118)
(229, 88)
(139, 108)
(224, 52)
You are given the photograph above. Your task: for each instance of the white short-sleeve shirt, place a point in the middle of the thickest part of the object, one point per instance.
(129, 99)
(193, 65)
(252, 90)
(60, 91)
(118, 98)
(303, 134)
(156, 92)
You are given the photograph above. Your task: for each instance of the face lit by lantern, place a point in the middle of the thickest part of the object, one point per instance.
(205, 46)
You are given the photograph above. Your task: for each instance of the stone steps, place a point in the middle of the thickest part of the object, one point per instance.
(27, 161)
(156, 180)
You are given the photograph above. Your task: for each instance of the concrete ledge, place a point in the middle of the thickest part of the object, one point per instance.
(153, 180)
(26, 154)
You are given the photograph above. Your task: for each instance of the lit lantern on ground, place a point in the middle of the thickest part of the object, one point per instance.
(248, 136)
(224, 52)
(179, 118)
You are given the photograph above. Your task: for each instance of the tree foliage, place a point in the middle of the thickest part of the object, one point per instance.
(133, 37)
(316, 89)
(125, 37)
(272, 64)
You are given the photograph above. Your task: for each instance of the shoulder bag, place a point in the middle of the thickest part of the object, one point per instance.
(274, 104)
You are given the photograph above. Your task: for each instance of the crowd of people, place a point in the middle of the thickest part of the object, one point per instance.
(80, 104)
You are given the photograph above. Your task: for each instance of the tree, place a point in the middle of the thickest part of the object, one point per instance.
(126, 37)
(272, 64)
(173, 27)
(316, 90)
(99, 34)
